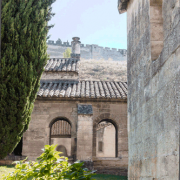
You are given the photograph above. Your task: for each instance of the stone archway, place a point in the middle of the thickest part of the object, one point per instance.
(110, 119)
(60, 134)
(105, 139)
(62, 149)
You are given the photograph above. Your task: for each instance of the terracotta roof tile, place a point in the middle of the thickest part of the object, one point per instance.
(106, 90)
(63, 90)
(68, 91)
(82, 89)
(62, 64)
(87, 89)
(47, 90)
(78, 90)
(115, 90)
(92, 90)
(73, 92)
(51, 93)
(101, 89)
(57, 91)
(96, 89)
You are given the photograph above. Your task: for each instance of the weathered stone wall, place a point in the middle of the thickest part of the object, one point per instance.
(38, 133)
(89, 52)
(153, 93)
(84, 137)
(45, 112)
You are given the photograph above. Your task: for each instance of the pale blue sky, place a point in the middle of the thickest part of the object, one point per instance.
(94, 21)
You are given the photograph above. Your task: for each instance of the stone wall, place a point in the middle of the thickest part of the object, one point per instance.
(84, 137)
(93, 51)
(46, 111)
(153, 91)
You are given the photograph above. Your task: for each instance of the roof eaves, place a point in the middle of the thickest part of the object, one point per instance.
(122, 6)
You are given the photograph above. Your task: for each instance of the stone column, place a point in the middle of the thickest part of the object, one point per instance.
(75, 48)
(84, 133)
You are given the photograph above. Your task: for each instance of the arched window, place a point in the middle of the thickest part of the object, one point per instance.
(106, 139)
(61, 128)
(60, 134)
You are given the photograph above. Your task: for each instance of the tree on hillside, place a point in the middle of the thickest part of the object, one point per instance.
(67, 53)
(23, 57)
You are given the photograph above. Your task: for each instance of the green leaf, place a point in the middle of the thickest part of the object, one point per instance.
(30, 178)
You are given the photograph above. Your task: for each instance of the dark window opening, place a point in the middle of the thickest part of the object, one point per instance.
(18, 150)
(100, 146)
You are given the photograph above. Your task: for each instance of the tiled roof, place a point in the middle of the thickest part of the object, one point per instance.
(122, 6)
(83, 89)
(62, 64)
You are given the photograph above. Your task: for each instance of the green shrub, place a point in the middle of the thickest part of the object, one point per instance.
(49, 166)
(67, 53)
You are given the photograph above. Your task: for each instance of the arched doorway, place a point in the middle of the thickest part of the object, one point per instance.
(60, 134)
(106, 139)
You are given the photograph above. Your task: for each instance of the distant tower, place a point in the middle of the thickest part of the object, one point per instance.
(67, 43)
(59, 42)
(75, 48)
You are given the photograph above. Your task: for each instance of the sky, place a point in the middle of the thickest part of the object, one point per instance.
(94, 21)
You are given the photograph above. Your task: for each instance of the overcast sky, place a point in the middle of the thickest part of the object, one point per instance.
(94, 21)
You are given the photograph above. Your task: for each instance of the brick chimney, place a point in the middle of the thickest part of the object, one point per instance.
(75, 48)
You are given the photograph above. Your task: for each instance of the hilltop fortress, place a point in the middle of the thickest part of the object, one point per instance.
(93, 51)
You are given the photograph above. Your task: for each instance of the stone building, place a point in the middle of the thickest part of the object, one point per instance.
(88, 51)
(153, 28)
(69, 113)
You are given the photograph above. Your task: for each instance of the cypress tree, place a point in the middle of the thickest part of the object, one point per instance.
(23, 57)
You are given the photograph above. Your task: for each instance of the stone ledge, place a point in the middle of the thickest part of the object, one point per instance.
(122, 6)
(106, 158)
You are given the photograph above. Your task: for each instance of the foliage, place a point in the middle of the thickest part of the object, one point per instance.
(23, 57)
(49, 166)
(67, 53)
(6, 170)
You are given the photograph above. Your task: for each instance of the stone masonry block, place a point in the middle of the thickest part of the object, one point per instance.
(85, 109)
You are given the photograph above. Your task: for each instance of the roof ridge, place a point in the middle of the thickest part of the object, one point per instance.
(102, 80)
(82, 89)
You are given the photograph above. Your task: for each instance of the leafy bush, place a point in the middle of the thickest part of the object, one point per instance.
(49, 166)
(67, 53)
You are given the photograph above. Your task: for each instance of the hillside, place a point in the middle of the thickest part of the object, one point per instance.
(104, 70)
